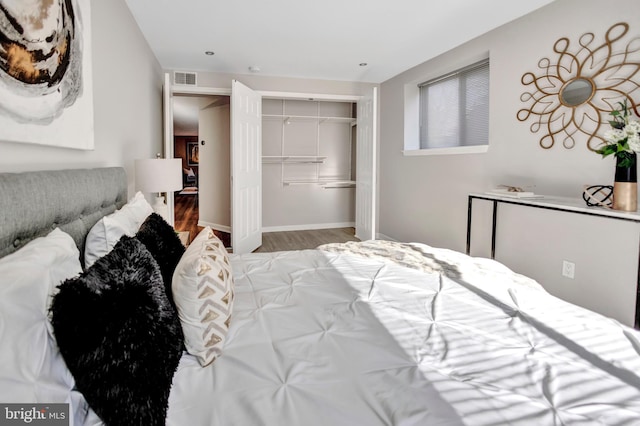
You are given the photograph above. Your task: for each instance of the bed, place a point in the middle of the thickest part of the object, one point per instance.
(370, 333)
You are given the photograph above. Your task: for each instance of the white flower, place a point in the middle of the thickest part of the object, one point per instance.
(613, 136)
(633, 127)
(634, 142)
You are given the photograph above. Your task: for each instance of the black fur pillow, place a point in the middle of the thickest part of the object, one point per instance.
(164, 245)
(119, 336)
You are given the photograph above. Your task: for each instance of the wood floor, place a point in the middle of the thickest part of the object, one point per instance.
(300, 240)
(186, 219)
(186, 214)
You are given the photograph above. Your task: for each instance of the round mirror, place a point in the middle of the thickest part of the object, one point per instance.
(576, 92)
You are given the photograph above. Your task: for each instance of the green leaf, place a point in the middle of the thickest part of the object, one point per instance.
(607, 150)
(616, 125)
(626, 162)
(625, 159)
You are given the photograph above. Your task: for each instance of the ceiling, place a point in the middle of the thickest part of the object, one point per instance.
(326, 39)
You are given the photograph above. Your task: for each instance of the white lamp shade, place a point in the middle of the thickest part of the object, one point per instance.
(159, 174)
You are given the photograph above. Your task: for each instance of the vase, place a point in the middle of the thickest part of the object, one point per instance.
(625, 187)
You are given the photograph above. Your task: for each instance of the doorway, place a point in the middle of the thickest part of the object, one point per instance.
(201, 140)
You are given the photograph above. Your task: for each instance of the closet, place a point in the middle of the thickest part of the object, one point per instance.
(308, 170)
(298, 173)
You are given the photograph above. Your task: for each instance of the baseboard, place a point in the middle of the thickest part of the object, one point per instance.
(217, 227)
(308, 227)
(381, 236)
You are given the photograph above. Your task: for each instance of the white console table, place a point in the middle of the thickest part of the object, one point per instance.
(570, 205)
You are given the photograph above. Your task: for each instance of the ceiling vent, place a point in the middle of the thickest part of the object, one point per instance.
(185, 78)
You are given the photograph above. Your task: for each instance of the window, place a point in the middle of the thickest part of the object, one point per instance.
(454, 108)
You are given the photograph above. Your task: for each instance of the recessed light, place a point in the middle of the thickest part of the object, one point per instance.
(363, 64)
(209, 53)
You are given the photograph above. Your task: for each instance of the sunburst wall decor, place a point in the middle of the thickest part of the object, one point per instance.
(575, 91)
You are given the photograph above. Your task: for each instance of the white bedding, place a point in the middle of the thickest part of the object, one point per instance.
(328, 337)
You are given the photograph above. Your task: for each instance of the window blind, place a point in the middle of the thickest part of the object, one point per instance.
(454, 108)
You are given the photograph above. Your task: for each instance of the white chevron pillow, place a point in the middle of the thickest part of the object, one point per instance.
(203, 292)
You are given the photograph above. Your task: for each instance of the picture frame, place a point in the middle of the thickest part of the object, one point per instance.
(56, 108)
(193, 153)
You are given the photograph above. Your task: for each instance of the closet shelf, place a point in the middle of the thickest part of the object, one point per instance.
(339, 184)
(279, 159)
(290, 118)
(338, 120)
(325, 184)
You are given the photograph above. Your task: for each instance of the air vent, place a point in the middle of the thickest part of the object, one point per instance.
(186, 78)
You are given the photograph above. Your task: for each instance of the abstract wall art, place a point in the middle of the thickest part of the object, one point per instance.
(46, 94)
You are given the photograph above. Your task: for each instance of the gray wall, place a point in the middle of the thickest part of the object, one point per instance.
(127, 87)
(425, 198)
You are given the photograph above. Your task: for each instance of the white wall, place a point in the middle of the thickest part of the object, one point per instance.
(214, 183)
(425, 198)
(127, 83)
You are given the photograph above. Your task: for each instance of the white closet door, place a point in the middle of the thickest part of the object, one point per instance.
(246, 169)
(366, 167)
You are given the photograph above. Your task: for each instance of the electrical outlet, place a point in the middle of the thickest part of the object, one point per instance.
(568, 269)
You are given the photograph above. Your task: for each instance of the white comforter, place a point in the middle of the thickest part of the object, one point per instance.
(328, 337)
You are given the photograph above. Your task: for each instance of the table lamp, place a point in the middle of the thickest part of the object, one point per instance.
(159, 175)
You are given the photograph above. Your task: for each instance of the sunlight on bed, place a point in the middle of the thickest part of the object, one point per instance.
(484, 338)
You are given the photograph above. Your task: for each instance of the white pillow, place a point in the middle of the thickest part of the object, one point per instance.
(31, 367)
(107, 231)
(203, 293)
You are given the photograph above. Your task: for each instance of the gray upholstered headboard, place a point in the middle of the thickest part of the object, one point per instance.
(34, 203)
